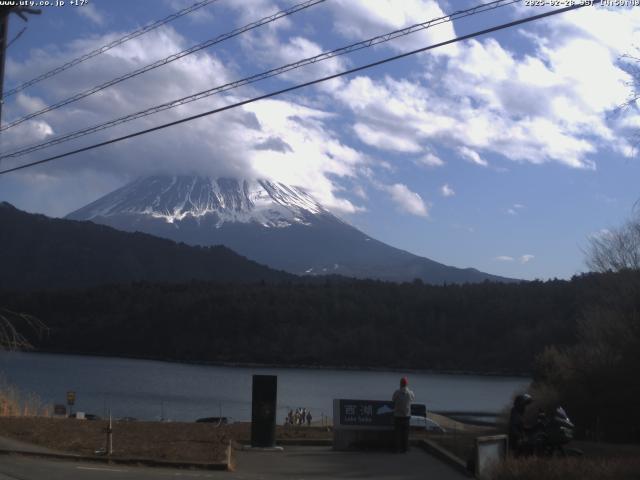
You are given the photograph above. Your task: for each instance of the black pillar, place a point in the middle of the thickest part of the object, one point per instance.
(263, 410)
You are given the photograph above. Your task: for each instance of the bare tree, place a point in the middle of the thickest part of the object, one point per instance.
(617, 249)
(13, 326)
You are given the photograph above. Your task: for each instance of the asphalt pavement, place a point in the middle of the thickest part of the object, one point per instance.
(300, 463)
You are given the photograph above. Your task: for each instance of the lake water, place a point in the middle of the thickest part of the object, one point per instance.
(152, 390)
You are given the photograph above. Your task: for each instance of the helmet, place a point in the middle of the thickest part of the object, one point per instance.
(523, 400)
(404, 381)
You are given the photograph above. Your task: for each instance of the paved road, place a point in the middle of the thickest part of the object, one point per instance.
(322, 463)
(318, 463)
(31, 468)
(7, 443)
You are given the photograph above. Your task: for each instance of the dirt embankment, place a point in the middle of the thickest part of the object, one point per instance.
(172, 441)
(148, 440)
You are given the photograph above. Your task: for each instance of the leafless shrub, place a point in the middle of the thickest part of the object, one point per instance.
(13, 328)
(615, 250)
(14, 403)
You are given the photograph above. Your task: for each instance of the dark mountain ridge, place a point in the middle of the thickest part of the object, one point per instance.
(38, 252)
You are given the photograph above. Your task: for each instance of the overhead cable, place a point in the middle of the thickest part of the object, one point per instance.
(164, 61)
(262, 76)
(299, 86)
(108, 46)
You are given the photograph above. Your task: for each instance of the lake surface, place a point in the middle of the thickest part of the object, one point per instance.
(152, 390)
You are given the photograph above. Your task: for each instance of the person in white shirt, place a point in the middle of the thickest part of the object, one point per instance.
(402, 399)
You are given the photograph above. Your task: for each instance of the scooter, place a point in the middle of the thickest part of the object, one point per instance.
(551, 435)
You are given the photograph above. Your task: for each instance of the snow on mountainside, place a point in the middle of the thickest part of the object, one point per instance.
(269, 204)
(271, 223)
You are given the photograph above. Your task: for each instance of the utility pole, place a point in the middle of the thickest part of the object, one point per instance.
(4, 27)
(4, 30)
(110, 436)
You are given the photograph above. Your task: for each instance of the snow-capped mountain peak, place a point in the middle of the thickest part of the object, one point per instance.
(176, 198)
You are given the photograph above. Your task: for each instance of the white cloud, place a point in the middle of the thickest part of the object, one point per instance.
(360, 19)
(384, 140)
(407, 200)
(90, 12)
(447, 191)
(526, 258)
(478, 99)
(552, 104)
(360, 192)
(431, 160)
(268, 49)
(472, 156)
(313, 155)
(515, 209)
(297, 48)
(201, 15)
(272, 138)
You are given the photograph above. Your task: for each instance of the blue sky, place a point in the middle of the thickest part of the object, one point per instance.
(503, 153)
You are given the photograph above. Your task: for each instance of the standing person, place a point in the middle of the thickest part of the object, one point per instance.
(402, 399)
(309, 418)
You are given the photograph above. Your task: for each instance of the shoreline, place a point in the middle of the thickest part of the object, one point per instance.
(291, 366)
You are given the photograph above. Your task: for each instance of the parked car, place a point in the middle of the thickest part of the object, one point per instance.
(422, 423)
(216, 420)
(127, 419)
(84, 416)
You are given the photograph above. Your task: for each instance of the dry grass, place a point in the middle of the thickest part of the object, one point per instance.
(14, 403)
(577, 468)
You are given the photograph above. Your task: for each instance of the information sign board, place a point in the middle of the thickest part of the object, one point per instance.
(60, 409)
(374, 413)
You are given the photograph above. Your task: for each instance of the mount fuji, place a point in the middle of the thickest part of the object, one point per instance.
(272, 223)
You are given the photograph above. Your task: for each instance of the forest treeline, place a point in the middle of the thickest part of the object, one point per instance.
(488, 327)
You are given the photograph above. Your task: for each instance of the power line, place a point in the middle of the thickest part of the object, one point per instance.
(165, 61)
(301, 85)
(108, 46)
(16, 37)
(262, 76)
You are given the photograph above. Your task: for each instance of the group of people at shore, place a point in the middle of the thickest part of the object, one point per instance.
(298, 417)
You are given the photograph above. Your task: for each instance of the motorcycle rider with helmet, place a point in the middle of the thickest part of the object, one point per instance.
(517, 428)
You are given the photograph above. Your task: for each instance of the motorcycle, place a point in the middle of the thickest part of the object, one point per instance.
(550, 436)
